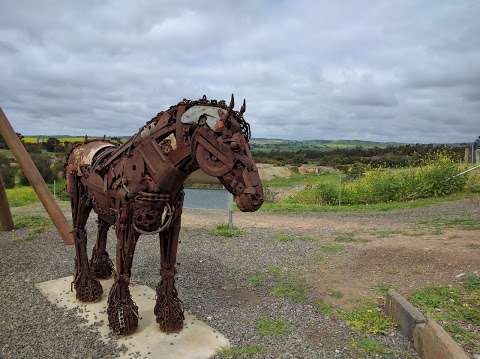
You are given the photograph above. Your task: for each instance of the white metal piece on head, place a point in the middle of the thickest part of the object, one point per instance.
(193, 114)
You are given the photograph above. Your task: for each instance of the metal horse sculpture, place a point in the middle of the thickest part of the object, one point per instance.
(138, 188)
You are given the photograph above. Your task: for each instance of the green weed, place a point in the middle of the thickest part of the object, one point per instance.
(324, 308)
(290, 288)
(371, 346)
(268, 326)
(367, 319)
(256, 280)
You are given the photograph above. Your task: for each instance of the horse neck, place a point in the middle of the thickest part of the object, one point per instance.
(166, 150)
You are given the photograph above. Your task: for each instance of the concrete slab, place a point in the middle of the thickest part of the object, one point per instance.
(196, 341)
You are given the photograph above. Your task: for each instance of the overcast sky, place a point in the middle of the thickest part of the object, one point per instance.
(375, 70)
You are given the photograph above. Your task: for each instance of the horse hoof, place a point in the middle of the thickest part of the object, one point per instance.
(169, 315)
(171, 326)
(88, 290)
(123, 318)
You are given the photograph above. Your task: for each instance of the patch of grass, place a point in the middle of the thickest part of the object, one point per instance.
(290, 288)
(385, 233)
(249, 351)
(324, 308)
(35, 225)
(256, 280)
(26, 221)
(330, 249)
(381, 288)
(432, 298)
(457, 308)
(223, 230)
(370, 346)
(472, 283)
(268, 326)
(288, 237)
(274, 270)
(286, 207)
(21, 196)
(368, 319)
(348, 238)
(335, 294)
(462, 223)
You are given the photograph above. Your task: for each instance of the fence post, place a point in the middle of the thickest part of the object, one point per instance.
(340, 191)
(230, 211)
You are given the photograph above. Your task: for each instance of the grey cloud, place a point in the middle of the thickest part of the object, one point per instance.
(403, 71)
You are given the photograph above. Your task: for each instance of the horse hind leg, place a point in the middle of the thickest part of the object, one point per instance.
(87, 288)
(100, 263)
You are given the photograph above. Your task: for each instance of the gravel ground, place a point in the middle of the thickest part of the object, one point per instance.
(212, 282)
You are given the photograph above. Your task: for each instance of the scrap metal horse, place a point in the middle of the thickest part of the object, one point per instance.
(138, 188)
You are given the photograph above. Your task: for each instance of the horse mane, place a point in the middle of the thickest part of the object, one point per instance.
(245, 126)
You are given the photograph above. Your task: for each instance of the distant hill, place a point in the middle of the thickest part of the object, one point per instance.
(261, 144)
(269, 144)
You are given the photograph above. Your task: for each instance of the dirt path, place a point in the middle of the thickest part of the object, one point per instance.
(343, 259)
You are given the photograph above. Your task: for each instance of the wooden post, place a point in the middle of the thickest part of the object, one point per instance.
(31, 172)
(6, 221)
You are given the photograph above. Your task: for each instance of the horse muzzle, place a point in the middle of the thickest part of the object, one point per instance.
(250, 200)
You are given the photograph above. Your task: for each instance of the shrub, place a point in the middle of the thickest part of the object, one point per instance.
(42, 162)
(7, 172)
(434, 178)
(323, 193)
(473, 184)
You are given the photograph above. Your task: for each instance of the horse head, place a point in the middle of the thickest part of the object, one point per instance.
(220, 147)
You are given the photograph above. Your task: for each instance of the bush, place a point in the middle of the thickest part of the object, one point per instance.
(7, 172)
(433, 179)
(43, 164)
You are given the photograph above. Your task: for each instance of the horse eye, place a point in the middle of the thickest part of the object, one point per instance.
(235, 146)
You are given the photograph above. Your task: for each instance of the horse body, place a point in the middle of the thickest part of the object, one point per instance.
(138, 187)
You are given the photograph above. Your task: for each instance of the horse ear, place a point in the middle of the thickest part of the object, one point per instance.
(232, 103)
(243, 108)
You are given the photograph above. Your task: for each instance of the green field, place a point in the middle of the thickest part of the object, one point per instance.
(266, 144)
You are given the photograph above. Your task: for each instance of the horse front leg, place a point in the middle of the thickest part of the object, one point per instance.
(87, 288)
(168, 308)
(100, 262)
(122, 310)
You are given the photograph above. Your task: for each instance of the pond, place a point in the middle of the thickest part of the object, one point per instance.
(206, 198)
